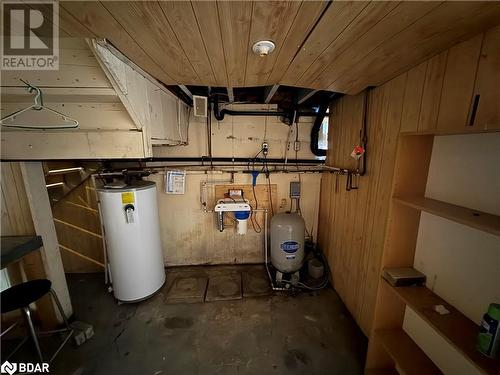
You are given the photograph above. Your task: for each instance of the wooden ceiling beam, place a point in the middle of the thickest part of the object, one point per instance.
(186, 91)
(230, 94)
(304, 95)
(269, 92)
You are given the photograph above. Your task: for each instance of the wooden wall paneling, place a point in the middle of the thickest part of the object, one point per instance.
(365, 200)
(458, 85)
(383, 22)
(270, 21)
(77, 69)
(76, 214)
(488, 82)
(431, 95)
(438, 30)
(182, 19)
(378, 131)
(15, 213)
(346, 43)
(235, 18)
(343, 255)
(79, 230)
(358, 218)
(90, 116)
(81, 244)
(59, 144)
(353, 200)
(207, 17)
(335, 19)
(413, 98)
(307, 16)
(94, 16)
(396, 89)
(336, 205)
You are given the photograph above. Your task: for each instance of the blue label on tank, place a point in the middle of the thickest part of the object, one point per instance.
(290, 247)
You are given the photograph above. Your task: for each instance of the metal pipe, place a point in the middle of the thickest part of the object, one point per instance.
(220, 113)
(65, 170)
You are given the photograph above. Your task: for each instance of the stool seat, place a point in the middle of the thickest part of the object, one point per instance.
(22, 295)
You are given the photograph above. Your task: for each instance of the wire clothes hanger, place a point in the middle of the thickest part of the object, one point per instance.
(8, 121)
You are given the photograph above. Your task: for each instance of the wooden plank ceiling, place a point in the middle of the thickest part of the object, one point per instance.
(342, 46)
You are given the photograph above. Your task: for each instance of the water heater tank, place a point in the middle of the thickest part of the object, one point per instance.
(132, 233)
(287, 242)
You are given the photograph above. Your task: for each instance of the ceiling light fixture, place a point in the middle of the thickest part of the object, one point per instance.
(263, 48)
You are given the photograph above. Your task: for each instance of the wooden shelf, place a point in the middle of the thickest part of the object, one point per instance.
(409, 358)
(456, 328)
(472, 218)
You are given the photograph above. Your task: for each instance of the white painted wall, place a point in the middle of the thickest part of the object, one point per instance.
(462, 264)
(189, 235)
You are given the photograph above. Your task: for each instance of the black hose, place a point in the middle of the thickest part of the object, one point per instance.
(316, 128)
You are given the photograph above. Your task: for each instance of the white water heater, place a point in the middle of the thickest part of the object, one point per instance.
(287, 242)
(132, 234)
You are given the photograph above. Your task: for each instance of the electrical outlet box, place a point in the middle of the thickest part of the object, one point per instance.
(294, 189)
(265, 148)
(296, 146)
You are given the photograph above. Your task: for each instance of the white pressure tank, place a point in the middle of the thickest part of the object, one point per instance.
(132, 233)
(287, 242)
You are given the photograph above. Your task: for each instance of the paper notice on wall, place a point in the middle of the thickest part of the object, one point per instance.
(175, 182)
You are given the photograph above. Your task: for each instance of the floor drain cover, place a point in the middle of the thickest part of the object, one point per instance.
(224, 287)
(255, 283)
(187, 290)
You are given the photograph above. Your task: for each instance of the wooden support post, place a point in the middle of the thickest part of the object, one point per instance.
(41, 213)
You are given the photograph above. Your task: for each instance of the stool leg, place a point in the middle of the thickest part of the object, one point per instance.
(27, 315)
(59, 307)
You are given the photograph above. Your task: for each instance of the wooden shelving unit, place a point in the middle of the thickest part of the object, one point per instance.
(455, 327)
(389, 347)
(408, 357)
(472, 218)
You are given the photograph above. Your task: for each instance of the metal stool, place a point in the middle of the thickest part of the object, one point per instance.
(20, 296)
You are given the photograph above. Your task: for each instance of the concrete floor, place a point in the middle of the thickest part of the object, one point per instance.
(311, 333)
